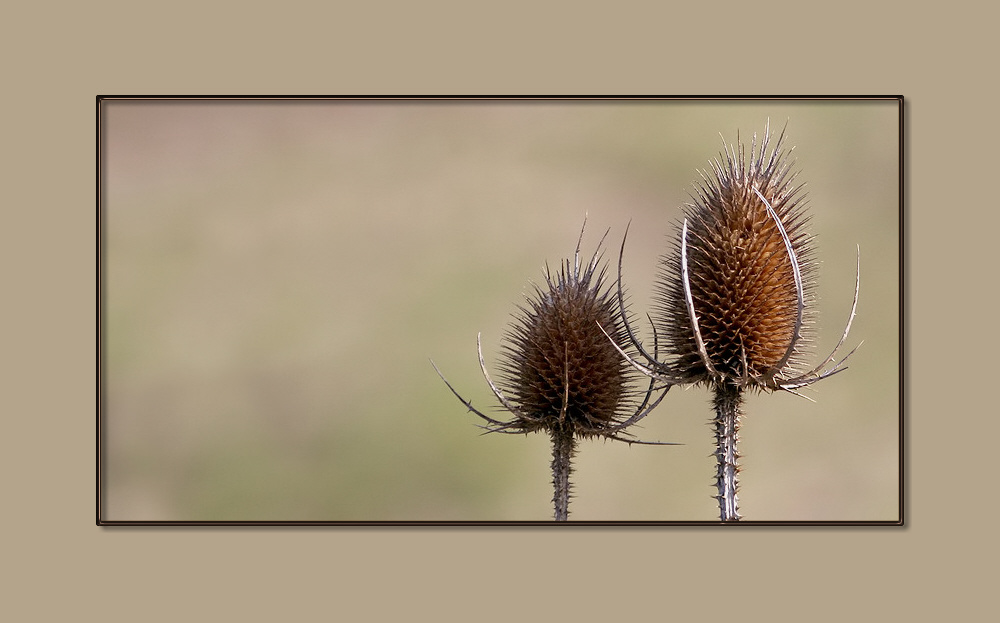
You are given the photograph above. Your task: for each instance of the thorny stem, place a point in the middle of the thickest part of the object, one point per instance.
(563, 448)
(728, 404)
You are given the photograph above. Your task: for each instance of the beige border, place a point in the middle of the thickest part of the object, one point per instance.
(60, 566)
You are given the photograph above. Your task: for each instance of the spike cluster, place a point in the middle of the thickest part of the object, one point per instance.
(739, 274)
(560, 372)
(731, 299)
(558, 366)
(732, 295)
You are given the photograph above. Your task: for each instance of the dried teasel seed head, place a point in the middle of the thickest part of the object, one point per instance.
(563, 370)
(559, 370)
(561, 363)
(733, 295)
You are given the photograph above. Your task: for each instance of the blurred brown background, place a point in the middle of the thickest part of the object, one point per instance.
(278, 274)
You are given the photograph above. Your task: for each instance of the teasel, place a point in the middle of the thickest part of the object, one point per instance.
(734, 295)
(560, 373)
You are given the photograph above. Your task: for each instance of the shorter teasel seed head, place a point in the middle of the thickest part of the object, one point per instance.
(558, 366)
(558, 369)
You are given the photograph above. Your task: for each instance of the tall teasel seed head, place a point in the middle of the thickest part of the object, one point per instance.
(734, 295)
(749, 283)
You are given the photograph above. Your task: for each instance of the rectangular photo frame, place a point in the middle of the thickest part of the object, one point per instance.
(501, 311)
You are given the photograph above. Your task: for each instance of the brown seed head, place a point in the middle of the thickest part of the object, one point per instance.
(562, 363)
(559, 368)
(731, 301)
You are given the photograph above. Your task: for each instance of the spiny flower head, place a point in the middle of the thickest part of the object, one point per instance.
(559, 370)
(747, 270)
(734, 294)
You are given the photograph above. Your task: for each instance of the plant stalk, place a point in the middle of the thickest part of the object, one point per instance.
(563, 448)
(728, 409)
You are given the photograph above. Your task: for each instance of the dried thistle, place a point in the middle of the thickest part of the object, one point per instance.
(733, 295)
(560, 373)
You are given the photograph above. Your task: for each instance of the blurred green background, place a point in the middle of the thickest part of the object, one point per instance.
(278, 274)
